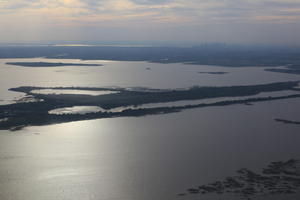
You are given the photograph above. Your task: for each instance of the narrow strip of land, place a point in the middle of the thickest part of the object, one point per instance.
(287, 121)
(37, 113)
(49, 64)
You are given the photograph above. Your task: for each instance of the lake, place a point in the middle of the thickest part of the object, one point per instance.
(142, 158)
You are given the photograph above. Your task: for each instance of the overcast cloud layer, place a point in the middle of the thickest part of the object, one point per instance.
(232, 21)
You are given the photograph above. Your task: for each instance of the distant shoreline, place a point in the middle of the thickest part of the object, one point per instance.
(227, 56)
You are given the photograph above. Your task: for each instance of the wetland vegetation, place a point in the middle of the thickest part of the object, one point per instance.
(37, 113)
(277, 178)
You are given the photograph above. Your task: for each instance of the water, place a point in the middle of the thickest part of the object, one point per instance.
(64, 91)
(153, 157)
(143, 158)
(76, 110)
(126, 74)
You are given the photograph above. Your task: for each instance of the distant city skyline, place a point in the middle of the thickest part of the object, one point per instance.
(266, 22)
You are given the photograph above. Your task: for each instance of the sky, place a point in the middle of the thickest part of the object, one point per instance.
(231, 21)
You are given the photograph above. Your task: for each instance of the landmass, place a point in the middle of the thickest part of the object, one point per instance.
(220, 55)
(277, 178)
(23, 114)
(290, 69)
(126, 97)
(48, 64)
(288, 121)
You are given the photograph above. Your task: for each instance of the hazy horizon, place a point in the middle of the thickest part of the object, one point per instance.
(150, 43)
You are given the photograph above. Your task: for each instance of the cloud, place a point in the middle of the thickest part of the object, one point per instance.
(195, 10)
(175, 15)
(151, 2)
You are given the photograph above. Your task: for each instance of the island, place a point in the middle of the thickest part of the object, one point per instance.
(49, 64)
(23, 114)
(285, 121)
(290, 69)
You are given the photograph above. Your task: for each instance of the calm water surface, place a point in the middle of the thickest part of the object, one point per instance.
(127, 74)
(145, 158)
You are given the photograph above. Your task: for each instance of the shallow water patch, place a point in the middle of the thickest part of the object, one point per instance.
(64, 91)
(76, 110)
